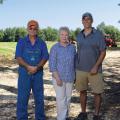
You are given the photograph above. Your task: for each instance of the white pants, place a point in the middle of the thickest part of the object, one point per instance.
(63, 98)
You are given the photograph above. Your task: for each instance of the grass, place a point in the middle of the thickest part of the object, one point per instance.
(113, 48)
(49, 44)
(7, 49)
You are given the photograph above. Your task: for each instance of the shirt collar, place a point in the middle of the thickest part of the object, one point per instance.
(62, 45)
(28, 40)
(93, 30)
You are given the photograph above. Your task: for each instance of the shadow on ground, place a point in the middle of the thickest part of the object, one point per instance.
(110, 109)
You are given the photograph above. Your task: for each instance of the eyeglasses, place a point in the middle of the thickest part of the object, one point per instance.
(34, 29)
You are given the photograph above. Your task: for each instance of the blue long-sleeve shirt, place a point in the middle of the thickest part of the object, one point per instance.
(62, 60)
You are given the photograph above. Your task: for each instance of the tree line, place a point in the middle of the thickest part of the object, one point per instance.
(47, 34)
(51, 34)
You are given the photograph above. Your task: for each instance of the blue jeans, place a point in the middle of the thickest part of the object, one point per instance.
(27, 82)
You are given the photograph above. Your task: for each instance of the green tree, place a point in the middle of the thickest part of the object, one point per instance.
(101, 27)
(77, 31)
(20, 33)
(1, 35)
(50, 34)
(114, 32)
(41, 34)
(1, 1)
(9, 34)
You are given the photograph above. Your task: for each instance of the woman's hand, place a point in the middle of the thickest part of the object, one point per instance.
(59, 82)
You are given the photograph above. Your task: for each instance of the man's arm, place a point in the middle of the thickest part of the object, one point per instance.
(41, 64)
(101, 58)
(45, 56)
(30, 69)
(99, 62)
(21, 62)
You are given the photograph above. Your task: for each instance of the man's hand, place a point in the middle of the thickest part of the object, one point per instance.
(94, 70)
(31, 69)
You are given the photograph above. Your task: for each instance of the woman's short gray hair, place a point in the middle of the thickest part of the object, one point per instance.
(64, 29)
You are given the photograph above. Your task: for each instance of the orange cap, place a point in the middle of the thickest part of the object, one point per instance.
(33, 23)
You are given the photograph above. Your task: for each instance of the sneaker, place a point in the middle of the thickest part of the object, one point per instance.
(67, 118)
(96, 117)
(82, 116)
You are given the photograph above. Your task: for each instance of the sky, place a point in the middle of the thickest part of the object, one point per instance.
(57, 13)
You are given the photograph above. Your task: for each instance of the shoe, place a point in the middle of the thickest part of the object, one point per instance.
(67, 118)
(82, 116)
(96, 117)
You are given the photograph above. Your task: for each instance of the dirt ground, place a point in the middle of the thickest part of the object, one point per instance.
(110, 109)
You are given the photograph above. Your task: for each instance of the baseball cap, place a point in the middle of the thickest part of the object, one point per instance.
(33, 23)
(87, 14)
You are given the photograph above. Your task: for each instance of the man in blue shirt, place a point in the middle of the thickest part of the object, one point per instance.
(31, 54)
(91, 50)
